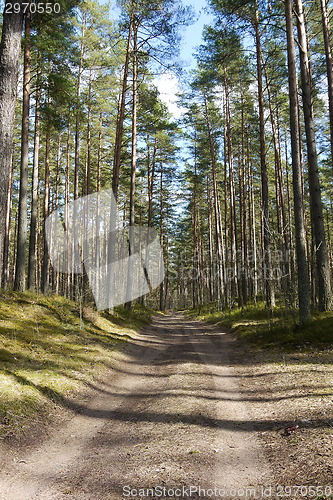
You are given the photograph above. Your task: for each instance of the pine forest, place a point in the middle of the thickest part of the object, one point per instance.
(166, 249)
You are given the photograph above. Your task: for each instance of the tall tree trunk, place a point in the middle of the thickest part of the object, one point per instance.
(45, 265)
(196, 269)
(10, 50)
(34, 194)
(19, 283)
(253, 229)
(121, 115)
(77, 118)
(98, 247)
(151, 180)
(161, 214)
(232, 201)
(211, 275)
(300, 236)
(217, 209)
(243, 190)
(267, 259)
(87, 183)
(130, 270)
(6, 251)
(67, 189)
(54, 206)
(280, 198)
(117, 160)
(318, 225)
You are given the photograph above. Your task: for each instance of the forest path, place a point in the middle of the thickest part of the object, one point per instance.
(172, 415)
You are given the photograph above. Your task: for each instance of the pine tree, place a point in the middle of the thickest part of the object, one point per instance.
(10, 51)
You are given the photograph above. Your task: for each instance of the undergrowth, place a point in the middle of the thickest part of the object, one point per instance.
(49, 350)
(279, 329)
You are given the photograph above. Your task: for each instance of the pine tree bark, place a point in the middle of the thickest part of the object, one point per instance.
(232, 202)
(117, 158)
(130, 270)
(121, 115)
(196, 269)
(318, 225)
(77, 117)
(217, 210)
(69, 274)
(300, 236)
(34, 194)
(280, 197)
(161, 217)
(6, 251)
(267, 259)
(45, 265)
(211, 273)
(87, 180)
(253, 229)
(19, 283)
(243, 195)
(10, 50)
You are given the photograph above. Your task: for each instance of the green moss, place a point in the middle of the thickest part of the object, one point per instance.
(48, 351)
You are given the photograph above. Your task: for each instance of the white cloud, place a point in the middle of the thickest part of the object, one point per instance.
(168, 86)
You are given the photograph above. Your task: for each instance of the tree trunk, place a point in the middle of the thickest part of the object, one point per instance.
(117, 160)
(161, 213)
(217, 210)
(243, 194)
(232, 202)
(322, 267)
(19, 283)
(267, 260)
(69, 274)
(45, 266)
(300, 236)
(196, 268)
(87, 183)
(211, 275)
(121, 115)
(6, 251)
(280, 198)
(34, 194)
(77, 119)
(10, 50)
(130, 270)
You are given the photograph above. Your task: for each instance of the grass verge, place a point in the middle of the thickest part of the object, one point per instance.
(49, 351)
(277, 329)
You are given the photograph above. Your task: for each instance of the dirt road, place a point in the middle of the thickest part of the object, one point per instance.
(170, 417)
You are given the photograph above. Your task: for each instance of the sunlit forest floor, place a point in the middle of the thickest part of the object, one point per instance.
(51, 349)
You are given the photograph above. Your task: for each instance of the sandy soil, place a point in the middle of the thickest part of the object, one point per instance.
(171, 416)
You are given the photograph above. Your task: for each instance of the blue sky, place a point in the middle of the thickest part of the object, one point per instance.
(192, 36)
(168, 85)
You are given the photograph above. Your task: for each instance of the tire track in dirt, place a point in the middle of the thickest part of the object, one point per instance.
(170, 416)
